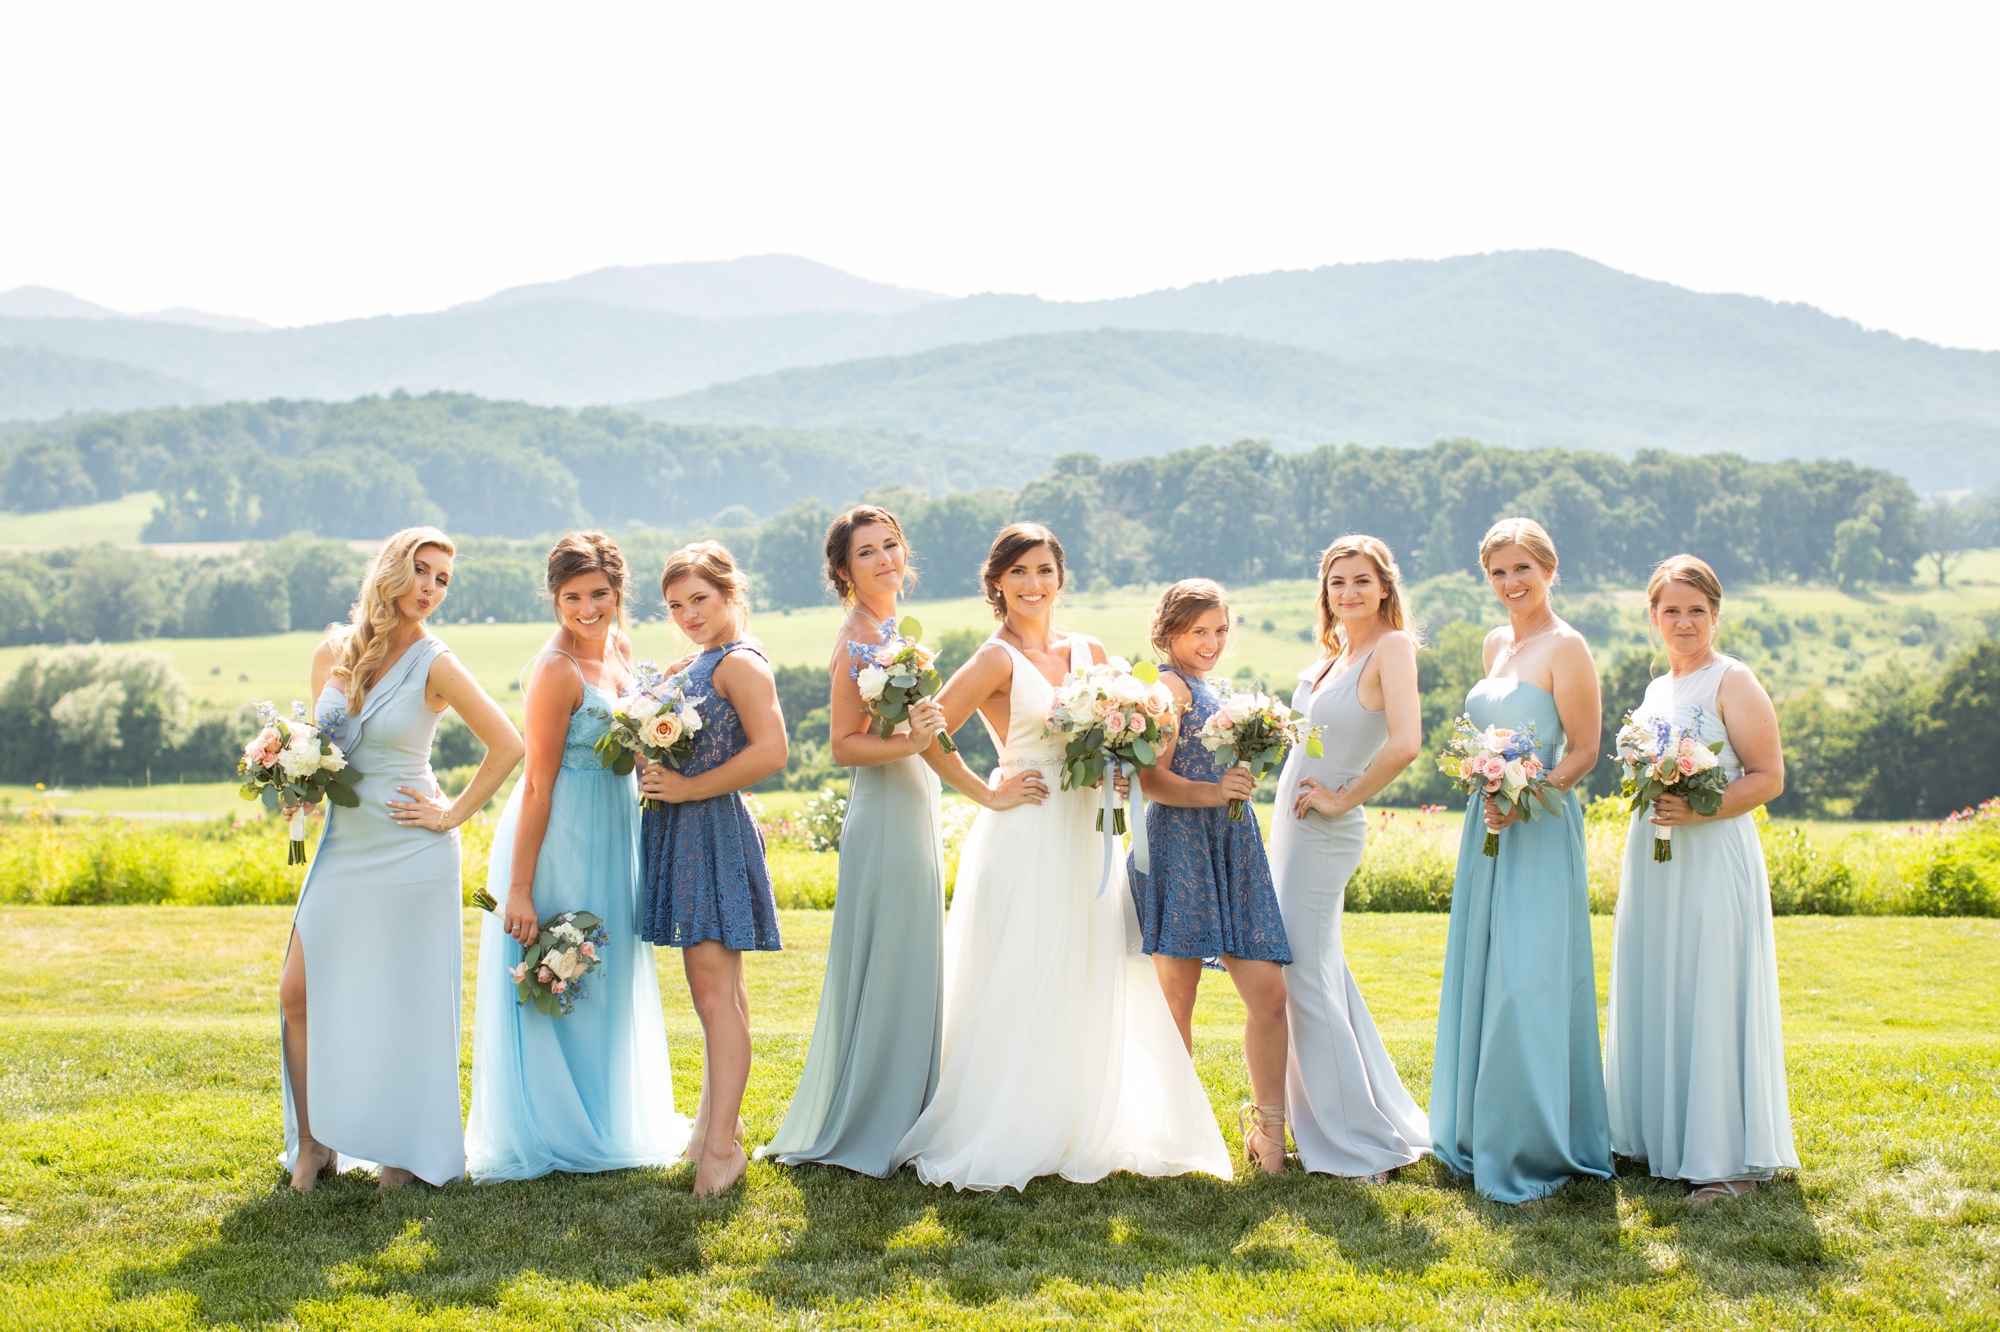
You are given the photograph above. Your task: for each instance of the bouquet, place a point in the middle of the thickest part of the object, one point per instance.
(1662, 760)
(1114, 713)
(554, 970)
(895, 675)
(1254, 730)
(1502, 764)
(291, 763)
(657, 717)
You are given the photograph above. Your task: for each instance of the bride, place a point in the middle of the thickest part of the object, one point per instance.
(1060, 1056)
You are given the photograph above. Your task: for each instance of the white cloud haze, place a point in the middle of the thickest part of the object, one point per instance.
(299, 164)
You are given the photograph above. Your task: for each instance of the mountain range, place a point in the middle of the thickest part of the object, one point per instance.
(1523, 348)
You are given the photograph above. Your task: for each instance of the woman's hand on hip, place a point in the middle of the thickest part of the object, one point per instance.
(1313, 798)
(424, 809)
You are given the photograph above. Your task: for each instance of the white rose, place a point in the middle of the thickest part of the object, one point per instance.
(1128, 689)
(690, 719)
(642, 707)
(873, 680)
(1118, 665)
(1515, 776)
(1240, 707)
(564, 964)
(295, 763)
(333, 760)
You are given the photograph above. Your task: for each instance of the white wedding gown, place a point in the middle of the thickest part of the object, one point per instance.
(1060, 1056)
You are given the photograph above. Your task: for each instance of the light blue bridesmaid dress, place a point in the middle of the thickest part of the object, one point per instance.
(1517, 1081)
(378, 917)
(592, 1090)
(873, 1064)
(1695, 1046)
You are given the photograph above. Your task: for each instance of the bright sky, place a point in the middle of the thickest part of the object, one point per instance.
(301, 163)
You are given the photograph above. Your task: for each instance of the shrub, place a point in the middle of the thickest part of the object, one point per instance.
(821, 818)
(1803, 881)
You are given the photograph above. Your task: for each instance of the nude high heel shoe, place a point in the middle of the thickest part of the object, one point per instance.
(1263, 1143)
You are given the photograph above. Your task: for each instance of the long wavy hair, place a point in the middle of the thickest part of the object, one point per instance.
(1333, 638)
(373, 618)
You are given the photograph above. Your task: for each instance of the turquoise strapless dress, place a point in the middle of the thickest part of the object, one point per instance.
(592, 1090)
(1517, 1082)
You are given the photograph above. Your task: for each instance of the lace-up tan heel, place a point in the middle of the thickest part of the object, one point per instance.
(1263, 1142)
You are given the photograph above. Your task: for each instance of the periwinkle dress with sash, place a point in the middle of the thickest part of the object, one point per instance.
(592, 1090)
(1349, 1112)
(1207, 890)
(704, 871)
(1517, 1082)
(379, 919)
(1060, 1055)
(1695, 1048)
(873, 1064)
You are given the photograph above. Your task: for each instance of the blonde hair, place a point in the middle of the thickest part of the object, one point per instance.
(374, 618)
(1179, 607)
(1689, 569)
(840, 546)
(1526, 533)
(1332, 638)
(580, 553)
(711, 562)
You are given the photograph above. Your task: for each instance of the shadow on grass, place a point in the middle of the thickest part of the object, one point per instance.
(815, 1237)
(453, 1246)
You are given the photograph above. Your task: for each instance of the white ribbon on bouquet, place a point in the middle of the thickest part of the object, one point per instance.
(1141, 861)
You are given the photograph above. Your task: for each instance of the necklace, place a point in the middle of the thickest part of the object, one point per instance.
(1507, 653)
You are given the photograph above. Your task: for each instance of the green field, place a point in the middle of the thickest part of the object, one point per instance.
(139, 1122)
(118, 521)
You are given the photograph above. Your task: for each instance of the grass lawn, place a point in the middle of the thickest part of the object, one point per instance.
(118, 521)
(165, 798)
(139, 1119)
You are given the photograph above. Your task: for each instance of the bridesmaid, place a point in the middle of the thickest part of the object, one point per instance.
(707, 889)
(1695, 1052)
(874, 1058)
(1350, 1113)
(1207, 892)
(378, 929)
(592, 1090)
(1517, 1086)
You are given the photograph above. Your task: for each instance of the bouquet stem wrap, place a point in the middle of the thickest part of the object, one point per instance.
(297, 854)
(1663, 843)
(1115, 827)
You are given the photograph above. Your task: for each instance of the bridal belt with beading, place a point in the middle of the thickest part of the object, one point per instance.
(1031, 763)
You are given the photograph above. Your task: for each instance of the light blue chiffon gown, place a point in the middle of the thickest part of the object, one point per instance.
(1517, 1081)
(378, 918)
(1695, 1047)
(592, 1090)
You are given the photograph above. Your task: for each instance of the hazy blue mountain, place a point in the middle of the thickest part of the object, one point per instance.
(48, 303)
(1536, 347)
(765, 284)
(36, 383)
(1122, 393)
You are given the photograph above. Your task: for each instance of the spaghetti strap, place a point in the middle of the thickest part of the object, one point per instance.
(1079, 653)
(521, 678)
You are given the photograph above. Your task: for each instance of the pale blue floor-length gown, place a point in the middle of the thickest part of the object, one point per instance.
(592, 1090)
(378, 917)
(1695, 1047)
(873, 1065)
(1517, 1081)
(1349, 1111)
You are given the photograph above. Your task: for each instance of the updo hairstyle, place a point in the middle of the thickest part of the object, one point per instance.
(1525, 533)
(1332, 638)
(840, 547)
(374, 617)
(1689, 569)
(1178, 609)
(1014, 541)
(711, 562)
(581, 553)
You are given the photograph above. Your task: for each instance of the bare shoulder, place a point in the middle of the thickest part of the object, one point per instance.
(1572, 648)
(1740, 685)
(743, 666)
(329, 649)
(1177, 687)
(1497, 638)
(1398, 645)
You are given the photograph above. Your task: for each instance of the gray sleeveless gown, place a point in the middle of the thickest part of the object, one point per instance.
(379, 919)
(873, 1065)
(1349, 1111)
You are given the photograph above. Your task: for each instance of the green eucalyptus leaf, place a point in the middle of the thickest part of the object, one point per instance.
(911, 628)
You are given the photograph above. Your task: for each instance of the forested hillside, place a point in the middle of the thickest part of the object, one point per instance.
(366, 468)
